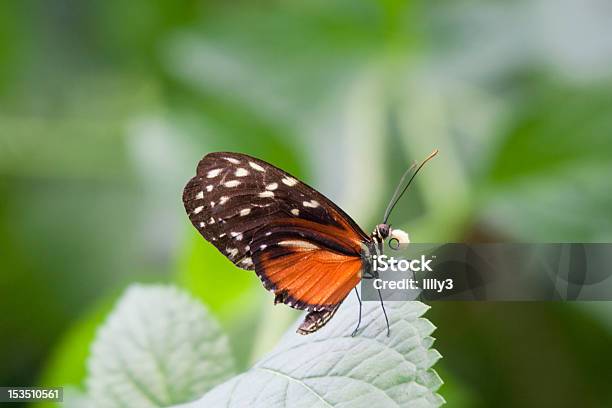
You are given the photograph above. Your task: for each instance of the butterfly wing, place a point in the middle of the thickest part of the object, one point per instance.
(303, 247)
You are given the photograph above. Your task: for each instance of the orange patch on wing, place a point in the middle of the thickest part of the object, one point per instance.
(314, 276)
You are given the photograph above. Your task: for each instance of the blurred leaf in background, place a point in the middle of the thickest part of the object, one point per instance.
(157, 348)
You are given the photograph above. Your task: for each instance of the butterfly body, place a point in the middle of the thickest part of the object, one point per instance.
(303, 247)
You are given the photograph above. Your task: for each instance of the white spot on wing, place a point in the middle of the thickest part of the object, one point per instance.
(266, 194)
(212, 204)
(240, 172)
(231, 183)
(232, 160)
(209, 188)
(247, 248)
(247, 261)
(256, 166)
(198, 210)
(202, 224)
(211, 221)
(200, 195)
(295, 212)
(272, 186)
(262, 247)
(245, 211)
(290, 181)
(311, 204)
(298, 243)
(223, 200)
(232, 252)
(213, 173)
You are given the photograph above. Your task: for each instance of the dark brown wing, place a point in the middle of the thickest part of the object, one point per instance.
(303, 247)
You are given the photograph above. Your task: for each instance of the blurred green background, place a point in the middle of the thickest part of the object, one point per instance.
(106, 107)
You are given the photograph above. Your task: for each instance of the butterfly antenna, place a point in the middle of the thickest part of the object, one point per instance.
(396, 192)
(382, 304)
(396, 197)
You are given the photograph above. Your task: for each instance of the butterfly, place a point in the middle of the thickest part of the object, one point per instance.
(303, 247)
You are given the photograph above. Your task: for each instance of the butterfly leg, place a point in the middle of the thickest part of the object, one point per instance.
(358, 321)
(382, 304)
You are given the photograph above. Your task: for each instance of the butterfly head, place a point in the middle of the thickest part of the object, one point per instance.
(397, 236)
(381, 232)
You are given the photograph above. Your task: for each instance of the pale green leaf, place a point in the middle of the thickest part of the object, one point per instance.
(157, 348)
(332, 369)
